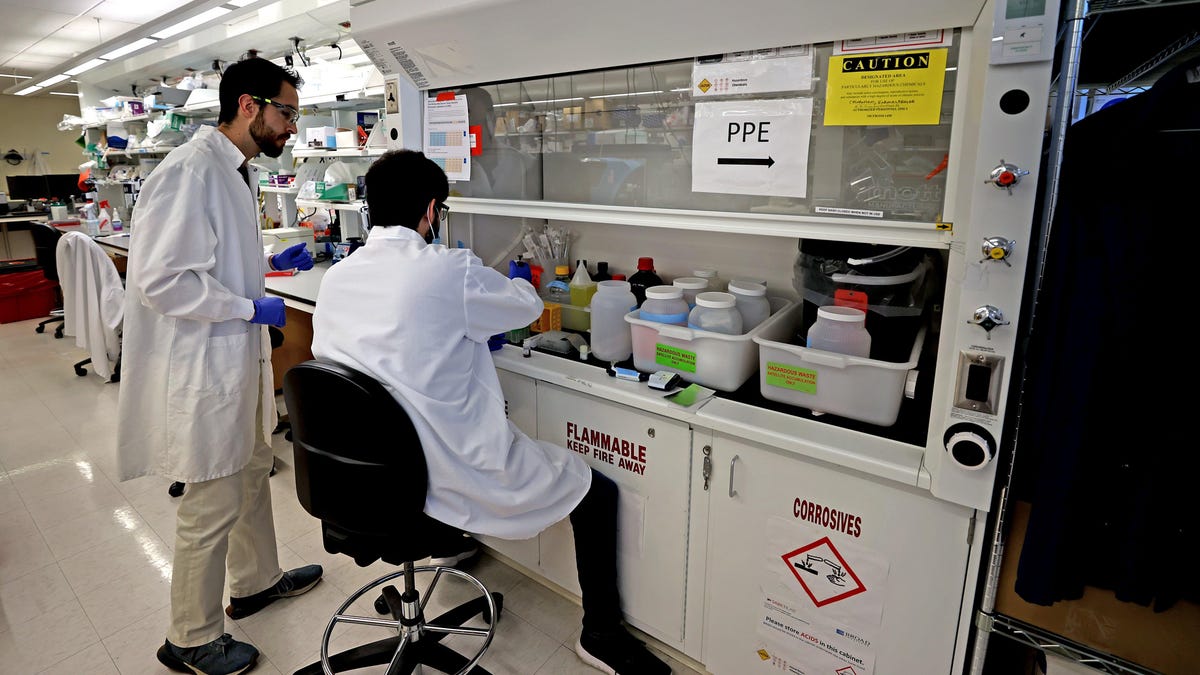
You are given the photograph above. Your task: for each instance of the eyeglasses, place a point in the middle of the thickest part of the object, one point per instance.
(443, 212)
(292, 114)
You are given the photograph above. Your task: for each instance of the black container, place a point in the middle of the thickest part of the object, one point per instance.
(644, 278)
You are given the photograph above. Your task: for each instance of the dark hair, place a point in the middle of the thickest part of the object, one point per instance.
(399, 186)
(254, 76)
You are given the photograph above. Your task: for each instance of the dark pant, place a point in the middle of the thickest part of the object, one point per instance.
(594, 522)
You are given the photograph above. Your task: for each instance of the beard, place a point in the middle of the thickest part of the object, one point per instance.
(270, 143)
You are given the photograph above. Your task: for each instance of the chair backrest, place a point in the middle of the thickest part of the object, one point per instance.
(359, 463)
(45, 242)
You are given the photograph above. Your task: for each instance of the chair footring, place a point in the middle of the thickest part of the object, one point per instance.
(426, 652)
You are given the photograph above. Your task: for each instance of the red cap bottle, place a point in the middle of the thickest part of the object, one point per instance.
(646, 264)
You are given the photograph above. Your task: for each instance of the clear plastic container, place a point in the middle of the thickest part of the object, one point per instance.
(715, 311)
(841, 330)
(665, 304)
(709, 274)
(611, 338)
(691, 286)
(752, 302)
(559, 290)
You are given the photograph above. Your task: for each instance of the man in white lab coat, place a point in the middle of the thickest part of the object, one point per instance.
(417, 318)
(197, 399)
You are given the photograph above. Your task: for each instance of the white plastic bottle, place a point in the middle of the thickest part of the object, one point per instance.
(715, 312)
(665, 304)
(691, 286)
(709, 274)
(610, 333)
(752, 302)
(842, 330)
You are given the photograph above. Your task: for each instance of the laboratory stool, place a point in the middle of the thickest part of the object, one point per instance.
(367, 483)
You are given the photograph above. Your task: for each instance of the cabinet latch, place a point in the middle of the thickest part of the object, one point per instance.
(706, 471)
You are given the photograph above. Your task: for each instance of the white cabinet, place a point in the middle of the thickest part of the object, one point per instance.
(649, 457)
(803, 554)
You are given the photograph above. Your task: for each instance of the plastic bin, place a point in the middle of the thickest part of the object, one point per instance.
(26, 295)
(715, 360)
(850, 386)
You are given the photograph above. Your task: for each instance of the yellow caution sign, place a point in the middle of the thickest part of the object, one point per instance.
(884, 89)
(704, 85)
(762, 654)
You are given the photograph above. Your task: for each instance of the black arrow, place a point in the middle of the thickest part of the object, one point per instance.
(754, 161)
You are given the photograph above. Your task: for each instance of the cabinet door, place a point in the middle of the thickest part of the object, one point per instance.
(520, 403)
(649, 457)
(821, 569)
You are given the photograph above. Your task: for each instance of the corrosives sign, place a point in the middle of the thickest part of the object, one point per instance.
(606, 447)
(892, 88)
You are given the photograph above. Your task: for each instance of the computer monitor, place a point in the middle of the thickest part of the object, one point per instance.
(54, 186)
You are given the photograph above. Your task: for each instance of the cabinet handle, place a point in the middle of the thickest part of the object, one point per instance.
(732, 492)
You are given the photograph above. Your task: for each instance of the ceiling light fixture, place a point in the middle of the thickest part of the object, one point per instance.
(131, 47)
(186, 24)
(84, 67)
(27, 90)
(16, 77)
(52, 81)
(632, 93)
(64, 93)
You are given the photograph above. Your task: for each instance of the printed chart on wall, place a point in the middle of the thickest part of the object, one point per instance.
(783, 69)
(822, 602)
(885, 88)
(752, 147)
(447, 138)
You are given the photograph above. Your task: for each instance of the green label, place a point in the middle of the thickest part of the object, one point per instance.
(674, 357)
(176, 122)
(787, 376)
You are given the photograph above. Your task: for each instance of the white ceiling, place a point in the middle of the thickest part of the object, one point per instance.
(36, 38)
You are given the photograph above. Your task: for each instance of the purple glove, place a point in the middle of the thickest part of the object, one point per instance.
(269, 310)
(295, 256)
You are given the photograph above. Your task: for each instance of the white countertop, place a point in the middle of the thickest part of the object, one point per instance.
(299, 291)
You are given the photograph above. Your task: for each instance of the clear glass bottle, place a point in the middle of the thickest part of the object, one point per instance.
(559, 290)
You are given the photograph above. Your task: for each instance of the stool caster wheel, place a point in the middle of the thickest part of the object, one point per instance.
(176, 489)
(381, 605)
(81, 371)
(39, 329)
(58, 334)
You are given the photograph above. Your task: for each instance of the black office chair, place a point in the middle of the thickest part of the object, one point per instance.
(45, 242)
(366, 481)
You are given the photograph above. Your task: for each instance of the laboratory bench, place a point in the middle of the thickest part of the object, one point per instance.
(714, 494)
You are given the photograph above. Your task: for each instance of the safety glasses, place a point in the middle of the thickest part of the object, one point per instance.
(292, 114)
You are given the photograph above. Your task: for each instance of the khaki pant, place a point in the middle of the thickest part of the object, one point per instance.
(220, 521)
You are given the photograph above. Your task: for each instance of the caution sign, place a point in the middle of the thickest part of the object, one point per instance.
(823, 573)
(885, 89)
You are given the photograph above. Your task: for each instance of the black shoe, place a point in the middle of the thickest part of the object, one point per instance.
(455, 550)
(223, 656)
(618, 653)
(294, 582)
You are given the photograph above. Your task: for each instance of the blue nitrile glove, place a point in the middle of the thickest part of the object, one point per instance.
(295, 256)
(269, 310)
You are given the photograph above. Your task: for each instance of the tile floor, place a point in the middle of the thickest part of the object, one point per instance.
(85, 560)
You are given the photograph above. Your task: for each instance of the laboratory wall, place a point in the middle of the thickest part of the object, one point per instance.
(29, 126)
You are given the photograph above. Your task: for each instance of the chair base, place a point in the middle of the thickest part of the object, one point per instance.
(417, 642)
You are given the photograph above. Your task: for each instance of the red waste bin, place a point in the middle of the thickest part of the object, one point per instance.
(26, 295)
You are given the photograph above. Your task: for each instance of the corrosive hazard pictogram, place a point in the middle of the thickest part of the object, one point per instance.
(848, 670)
(704, 85)
(823, 573)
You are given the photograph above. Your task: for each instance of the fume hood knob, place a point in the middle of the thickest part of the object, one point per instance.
(970, 446)
(988, 317)
(1005, 176)
(997, 249)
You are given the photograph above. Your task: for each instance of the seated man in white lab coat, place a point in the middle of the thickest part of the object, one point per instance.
(417, 317)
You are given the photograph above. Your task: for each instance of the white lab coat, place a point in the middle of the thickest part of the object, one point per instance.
(194, 368)
(93, 299)
(417, 318)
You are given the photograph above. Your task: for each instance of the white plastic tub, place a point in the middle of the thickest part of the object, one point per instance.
(715, 360)
(850, 386)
